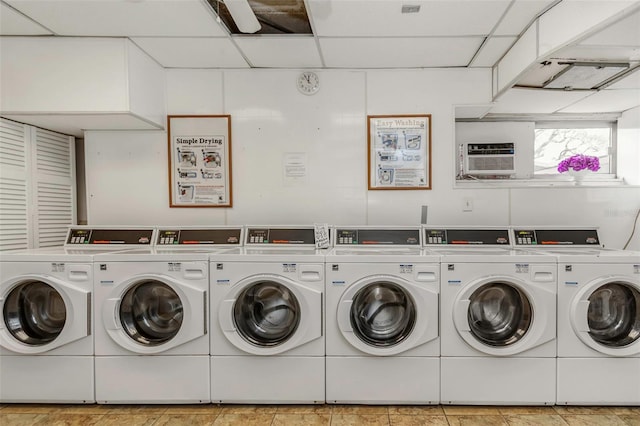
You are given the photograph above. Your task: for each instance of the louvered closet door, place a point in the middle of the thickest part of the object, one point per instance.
(14, 190)
(37, 186)
(53, 162)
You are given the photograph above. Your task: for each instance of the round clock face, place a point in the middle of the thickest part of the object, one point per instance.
(308, 83)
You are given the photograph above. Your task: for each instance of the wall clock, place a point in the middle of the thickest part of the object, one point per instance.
(308, 83)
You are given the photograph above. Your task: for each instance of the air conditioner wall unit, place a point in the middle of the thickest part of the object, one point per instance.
(489, 158)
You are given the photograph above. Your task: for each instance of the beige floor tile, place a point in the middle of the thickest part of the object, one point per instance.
(136, 409)
(128, 419)
(309, 419)
(417, 420)
(634, 411)
(245, 419)
(56, 419)
(194, 409)
(186, 420)
(535, 420)
(476, 420)
(83, 409)
(32, 408)
(576, 410)
(359, 419)
(249, 409)
(470, 410)
(304, 409)
(630, 420)
(594, 420)
(360, 409)
(415, 410)
(20, 419)
(520, 410)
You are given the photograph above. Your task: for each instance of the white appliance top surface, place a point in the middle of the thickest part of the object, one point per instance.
(57, 254)
(166, 254)
(491, 255)
(380, 254)
(274, 254)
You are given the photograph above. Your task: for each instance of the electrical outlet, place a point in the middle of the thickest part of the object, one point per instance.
(467, 204)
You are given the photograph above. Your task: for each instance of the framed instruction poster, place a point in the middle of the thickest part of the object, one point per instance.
(399, 151)
(199, 160)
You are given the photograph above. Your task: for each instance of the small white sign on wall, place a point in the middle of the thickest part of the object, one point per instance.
(294, 168)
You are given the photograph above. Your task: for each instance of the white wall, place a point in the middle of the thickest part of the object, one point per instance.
(127, 180)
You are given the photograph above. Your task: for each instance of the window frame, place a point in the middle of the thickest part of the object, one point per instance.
(582, 124)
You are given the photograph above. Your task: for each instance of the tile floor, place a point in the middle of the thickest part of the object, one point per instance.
(248, 415)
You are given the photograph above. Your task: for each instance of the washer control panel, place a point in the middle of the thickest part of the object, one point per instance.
(101, 236)
(466, 237)
(556, 237)
(281, 236)
(378, 237)
(203, 236)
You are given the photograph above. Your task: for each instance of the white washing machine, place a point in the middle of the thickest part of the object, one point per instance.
(382, 317)
(152, 340)
(598, 316)
(498, 319)
(46, 332)
(267, 339)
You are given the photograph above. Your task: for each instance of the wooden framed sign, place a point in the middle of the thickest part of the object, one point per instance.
(199, 160)
(399, 151)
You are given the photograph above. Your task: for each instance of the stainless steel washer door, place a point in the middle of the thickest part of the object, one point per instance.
(151, 312)
(614, 315)
(34, 313)
(266, 313)
(383, 314)
(499, 314)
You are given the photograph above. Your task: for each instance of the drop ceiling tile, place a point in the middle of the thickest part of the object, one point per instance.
(280, 52)
(14, 23)
(384, 18)
(492, 51)
(398, 52)
(606, 101)
(631, 81)
(520, 15)
(625, 32)
(192, 52)
(536, 101)
(122, 18)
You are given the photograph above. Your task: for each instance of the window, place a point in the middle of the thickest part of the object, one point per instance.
(555, 141)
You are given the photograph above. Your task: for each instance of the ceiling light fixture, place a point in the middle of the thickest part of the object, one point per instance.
(243, 16)
(585, 75)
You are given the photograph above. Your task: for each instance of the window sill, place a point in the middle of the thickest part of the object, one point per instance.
(560, 182)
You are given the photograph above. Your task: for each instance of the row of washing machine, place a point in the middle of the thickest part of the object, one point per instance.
(260, 314)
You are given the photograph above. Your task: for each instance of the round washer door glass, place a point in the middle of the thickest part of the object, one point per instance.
(34, 313)
(266, 313)
(499, 314)
(382, 314)
(151, 312)
(614, 315)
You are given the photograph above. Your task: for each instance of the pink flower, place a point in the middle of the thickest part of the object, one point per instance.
(579, 162)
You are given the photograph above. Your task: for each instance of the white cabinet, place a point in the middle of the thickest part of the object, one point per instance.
(71, 84)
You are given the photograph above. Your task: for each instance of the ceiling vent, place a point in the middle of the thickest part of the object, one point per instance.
(408, 8)
(586, 75)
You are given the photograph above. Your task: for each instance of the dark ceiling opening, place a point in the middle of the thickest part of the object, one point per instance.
(275, 16)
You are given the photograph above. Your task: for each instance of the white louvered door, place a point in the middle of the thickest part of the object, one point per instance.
(53, 173)
(14, 191)
(37, 186)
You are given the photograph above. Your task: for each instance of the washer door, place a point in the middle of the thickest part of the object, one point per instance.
(386, 315)
(269, 314)
(505, 316)
(153, 313)
(42, 313)
(605, 314)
